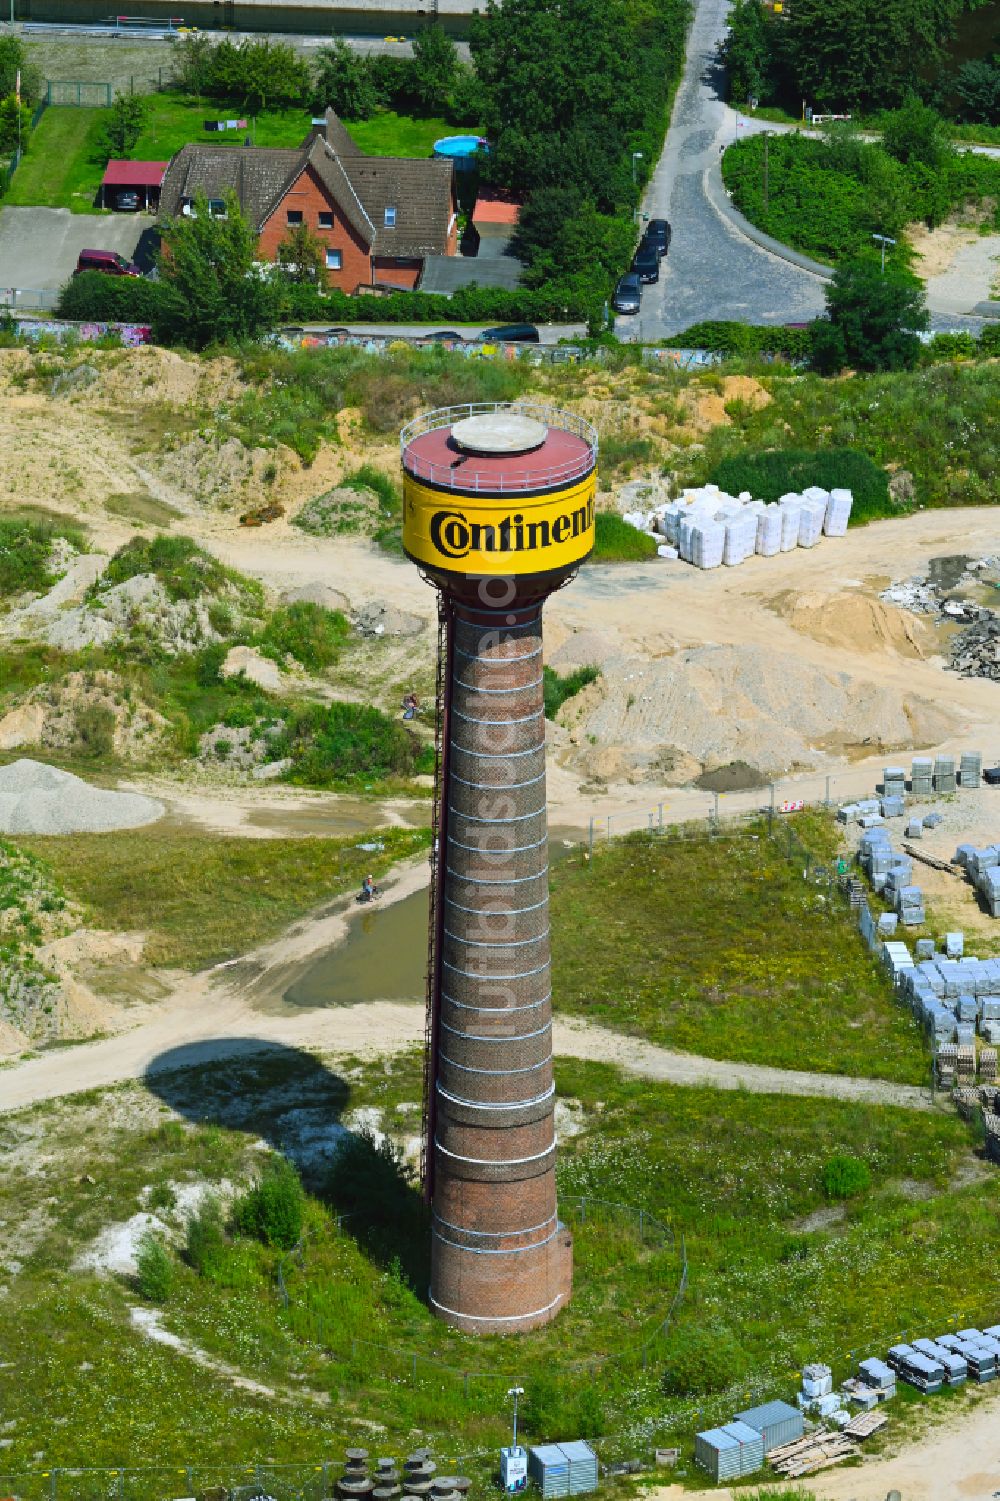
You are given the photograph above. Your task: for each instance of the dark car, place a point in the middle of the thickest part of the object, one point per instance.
(646, 263)
(510, 333)
(446, 334)
(658, 232)
(108, 261)
(127, 200)
(628, 294)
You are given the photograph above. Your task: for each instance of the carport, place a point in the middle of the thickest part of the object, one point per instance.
(142, 178)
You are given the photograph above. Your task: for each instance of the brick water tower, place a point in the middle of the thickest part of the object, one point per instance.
(498, 511)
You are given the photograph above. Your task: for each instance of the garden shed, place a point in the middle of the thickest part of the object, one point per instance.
(730, 1452)
(776, 1422)
(568, 1469)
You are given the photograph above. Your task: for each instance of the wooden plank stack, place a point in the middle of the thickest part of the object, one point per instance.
(814, 1452)
(865, 1424)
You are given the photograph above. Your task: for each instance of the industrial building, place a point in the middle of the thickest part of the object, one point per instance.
(321, 18)
(498, 513)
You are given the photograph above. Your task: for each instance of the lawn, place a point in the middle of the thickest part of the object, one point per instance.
(717, 946)
(778, 1274)
(66, 160)
(203, 898)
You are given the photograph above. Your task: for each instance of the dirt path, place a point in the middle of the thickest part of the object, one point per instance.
(236, 1007)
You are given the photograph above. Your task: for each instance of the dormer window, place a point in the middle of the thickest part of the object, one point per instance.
(390, 218)
(217, 208)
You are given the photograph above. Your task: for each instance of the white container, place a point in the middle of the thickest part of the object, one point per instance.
(838, 513)
(811, 520)
(741, 540)
(790, 516)
(768, 531)
(708, 542)
(667, 552)
(817, 1380)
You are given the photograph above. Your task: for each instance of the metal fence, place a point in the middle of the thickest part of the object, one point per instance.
(7, 172)
(28, 299)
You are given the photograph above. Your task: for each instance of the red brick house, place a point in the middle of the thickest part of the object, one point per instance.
(378, 217)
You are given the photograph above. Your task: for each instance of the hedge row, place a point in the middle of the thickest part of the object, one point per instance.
(769, 476)
(95, 297)
(744, 339)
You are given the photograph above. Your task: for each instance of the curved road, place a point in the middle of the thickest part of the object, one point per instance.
(713, 270)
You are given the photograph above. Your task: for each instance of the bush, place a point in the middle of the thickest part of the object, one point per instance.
(617, 542)
(844, 1176)
(703, 1359)
(206, 1240)
(309, 633)
(770, 475)
(746, 339)
(272, 1210)
(558, 688)
(182, 567)
(331, 743)
(25, 549)
(154, 1269)
(94, 297)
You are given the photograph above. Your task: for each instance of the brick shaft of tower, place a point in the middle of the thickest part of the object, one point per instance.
(500, 1259)
(498, 511)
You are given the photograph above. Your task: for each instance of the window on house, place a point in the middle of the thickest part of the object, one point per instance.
(294, 216)
(217, 208)
(390, 218)
(334, 260)
(325, 220)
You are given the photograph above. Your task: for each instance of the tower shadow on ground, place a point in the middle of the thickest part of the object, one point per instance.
(292, 1101)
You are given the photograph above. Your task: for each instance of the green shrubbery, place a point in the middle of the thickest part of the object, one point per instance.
(703, 1359)
(844, 1176)
(184, 569)
(25, 551)
(617, 542)
(272, 1210)
(744, 339)
(558, 687)
(770, 475)
(154, 1269)
(309, 633)
(340, 742)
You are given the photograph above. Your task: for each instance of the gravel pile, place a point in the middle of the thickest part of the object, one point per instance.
(975, 652)
(40, 799)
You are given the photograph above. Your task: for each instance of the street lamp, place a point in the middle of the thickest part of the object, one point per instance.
(515, 1392)
(884, 240)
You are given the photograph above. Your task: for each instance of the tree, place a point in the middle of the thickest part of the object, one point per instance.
(435, 69)
(978, 87)
(916, 133)
(194, 61)
(212, 290)
(872, 319)
(154, 1269)
(259, 74)
(15, 123)
(272, 1210)
(345, 82)
(302, 257)
(746, 52)
(13, 60)
(864, 54)
(124, 124)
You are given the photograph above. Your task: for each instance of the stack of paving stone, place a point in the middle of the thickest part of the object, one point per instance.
(894, 782)
(982, 866)
(991, 1122)
(944, 774)
(971, 769)
(922, 776)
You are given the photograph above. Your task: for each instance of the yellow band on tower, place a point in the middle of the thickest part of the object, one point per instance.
(468, 534)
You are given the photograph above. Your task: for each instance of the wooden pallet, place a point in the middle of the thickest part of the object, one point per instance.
(865, 1424)
(814, 1452)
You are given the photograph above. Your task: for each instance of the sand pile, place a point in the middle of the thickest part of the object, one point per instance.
(713, 705)
(856, 622)
(39, 799)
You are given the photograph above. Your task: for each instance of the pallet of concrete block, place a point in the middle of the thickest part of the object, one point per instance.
(971, 768)
(988, 1065)
(922, 776)
(894, 781)
(838, 512)
(741, 539)
(918, 1370)
(944, 774)
(955, 1366)
(979, 1351)
(768, 543)
(812, 514)
(879, 1377)
(991, 1125)
(910, 905)
(816, 1451)
(966, 1102)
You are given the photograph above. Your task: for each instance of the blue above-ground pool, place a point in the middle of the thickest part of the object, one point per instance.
(461, 150)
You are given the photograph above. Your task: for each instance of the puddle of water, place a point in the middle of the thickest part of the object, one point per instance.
(384, 958)
(340, 816)
(944, 573)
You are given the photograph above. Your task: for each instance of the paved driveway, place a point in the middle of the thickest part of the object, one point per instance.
(39, 246)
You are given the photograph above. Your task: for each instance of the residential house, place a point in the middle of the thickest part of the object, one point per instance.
(377, 217)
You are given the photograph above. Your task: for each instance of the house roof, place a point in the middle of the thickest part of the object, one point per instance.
(496, 210)
(363, 187)
(122, 174)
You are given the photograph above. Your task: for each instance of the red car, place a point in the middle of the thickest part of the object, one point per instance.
(108, 261)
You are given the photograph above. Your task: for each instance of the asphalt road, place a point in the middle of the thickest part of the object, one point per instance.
(39, 246)
(713, 270)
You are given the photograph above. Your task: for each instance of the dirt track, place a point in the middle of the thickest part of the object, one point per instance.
(236, 1008)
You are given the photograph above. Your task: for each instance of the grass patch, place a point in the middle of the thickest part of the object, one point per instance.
(142, 509)
(558, 687)
(615, 541)
(202, 898)
(184, 569)
(306, 632)
(739, 1174)
(387, 133)
(656, 937)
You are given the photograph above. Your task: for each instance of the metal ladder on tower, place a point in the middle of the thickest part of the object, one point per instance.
(438, 820)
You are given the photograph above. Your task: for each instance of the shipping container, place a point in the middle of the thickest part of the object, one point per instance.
(776, 1422)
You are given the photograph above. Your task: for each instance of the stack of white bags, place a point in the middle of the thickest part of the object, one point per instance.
(707, 527)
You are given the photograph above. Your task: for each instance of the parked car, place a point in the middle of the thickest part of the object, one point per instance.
(510, 333)
(108, 261)
(127, 200)
(658, 232)
(444, 334)
(628, 294)
(646, 263)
